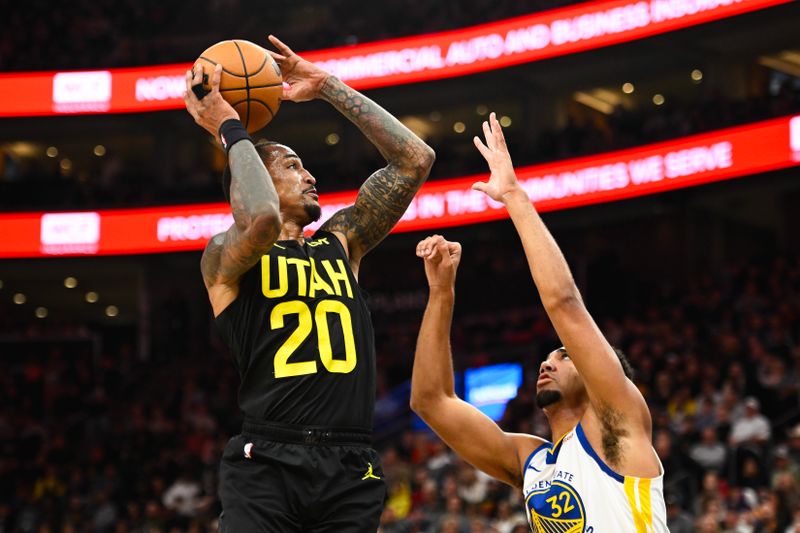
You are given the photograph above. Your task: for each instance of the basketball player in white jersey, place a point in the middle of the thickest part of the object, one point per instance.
(600, 474)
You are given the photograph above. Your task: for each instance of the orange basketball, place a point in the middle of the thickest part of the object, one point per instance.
(251, 80)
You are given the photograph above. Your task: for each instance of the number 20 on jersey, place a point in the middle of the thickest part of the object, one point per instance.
(284, 368)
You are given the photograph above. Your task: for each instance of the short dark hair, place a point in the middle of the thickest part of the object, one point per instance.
(627, 368)
(264, 149)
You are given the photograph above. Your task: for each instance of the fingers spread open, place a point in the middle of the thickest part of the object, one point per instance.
(276, 56)
(487, 132)
(482, 148)
(499, 136)
(282, 48)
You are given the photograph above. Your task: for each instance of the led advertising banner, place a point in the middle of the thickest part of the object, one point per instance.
(559, 32)
(695, 160)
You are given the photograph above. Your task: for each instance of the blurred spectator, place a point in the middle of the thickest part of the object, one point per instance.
(752, 429)
(678, 520)
(49, 485)
(134, 444)
(183, 496)
(794, 527)
(507, 518)
(679, 471)
(709, 453)
(785, 469)
(473, 485)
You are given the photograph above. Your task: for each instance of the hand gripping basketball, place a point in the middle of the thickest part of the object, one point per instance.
(212, 110)
(303, 79)
(250, 80)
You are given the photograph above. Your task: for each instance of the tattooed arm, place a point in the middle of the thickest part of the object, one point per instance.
(257, 224)
(254, 201)
(384, 197)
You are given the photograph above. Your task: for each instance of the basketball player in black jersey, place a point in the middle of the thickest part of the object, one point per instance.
(295, 318)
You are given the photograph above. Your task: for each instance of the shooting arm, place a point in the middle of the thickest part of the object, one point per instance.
(384, 197)
(591, 353)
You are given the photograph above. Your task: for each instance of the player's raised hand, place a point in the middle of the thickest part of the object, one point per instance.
(441, 259)
(304, 78)
(503, 179)
(209, 110)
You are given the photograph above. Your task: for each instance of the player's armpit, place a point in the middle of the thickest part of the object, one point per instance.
(592, 355)
(477, 439)
(597, 363)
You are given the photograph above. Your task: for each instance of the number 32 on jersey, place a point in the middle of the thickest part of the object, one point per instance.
(284, 368)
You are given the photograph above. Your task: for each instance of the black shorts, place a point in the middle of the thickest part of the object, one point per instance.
(268, 486)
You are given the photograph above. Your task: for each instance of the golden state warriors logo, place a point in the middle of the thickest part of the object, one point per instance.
(558, 509)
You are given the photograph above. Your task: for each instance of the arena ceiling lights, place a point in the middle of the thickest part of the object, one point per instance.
(543, 35)
(686, 162)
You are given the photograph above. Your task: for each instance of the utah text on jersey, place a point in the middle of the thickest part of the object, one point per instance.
(311, 275)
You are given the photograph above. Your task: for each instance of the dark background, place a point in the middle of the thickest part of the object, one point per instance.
(105, 419)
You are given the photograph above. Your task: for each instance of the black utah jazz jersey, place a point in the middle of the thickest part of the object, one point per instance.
(302, 338)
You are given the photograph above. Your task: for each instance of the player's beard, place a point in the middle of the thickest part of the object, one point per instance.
(546, 398)
(314, 211)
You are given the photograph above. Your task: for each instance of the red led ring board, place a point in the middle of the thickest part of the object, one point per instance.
(525, 39)
(686, 162)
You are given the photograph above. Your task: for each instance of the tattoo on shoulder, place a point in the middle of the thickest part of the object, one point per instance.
(223, 262)
(209, 262)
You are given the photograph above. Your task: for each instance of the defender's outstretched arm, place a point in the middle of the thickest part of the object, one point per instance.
(595, 359)
(469, 432)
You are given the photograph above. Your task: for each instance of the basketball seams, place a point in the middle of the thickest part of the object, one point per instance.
(265, 87)
(260, 68)
(262, 102)
(226, 71)
(246, 82)
(255, 102)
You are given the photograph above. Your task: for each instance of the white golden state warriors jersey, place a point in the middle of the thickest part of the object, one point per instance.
(569, 489)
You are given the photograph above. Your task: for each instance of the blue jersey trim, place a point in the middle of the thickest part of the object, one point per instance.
(534, 452)
(552, 457)
(588, 449)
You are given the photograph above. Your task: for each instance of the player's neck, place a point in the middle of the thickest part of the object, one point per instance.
(563, 419)
(291, 231)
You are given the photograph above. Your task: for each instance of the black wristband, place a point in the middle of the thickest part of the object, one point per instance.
(231, 132)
